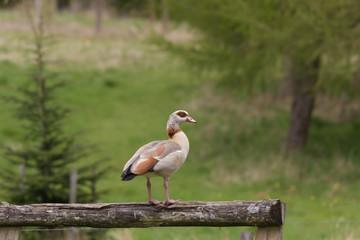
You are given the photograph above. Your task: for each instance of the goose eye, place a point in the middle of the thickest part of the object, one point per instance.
(181, 114)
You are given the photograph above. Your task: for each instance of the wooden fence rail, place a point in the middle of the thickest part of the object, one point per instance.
(267, 215)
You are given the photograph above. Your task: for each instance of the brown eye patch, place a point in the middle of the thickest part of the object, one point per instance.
(182, 114)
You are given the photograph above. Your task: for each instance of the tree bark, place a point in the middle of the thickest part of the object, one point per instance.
(165, 16)
(266, 213)
(152, 14)
(75, 5)
(305, 77)
(287, 85)
(38, 12)
(99, 5)
(356, 79)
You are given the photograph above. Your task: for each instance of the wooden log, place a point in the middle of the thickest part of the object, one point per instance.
(264, 213)
(272, 233)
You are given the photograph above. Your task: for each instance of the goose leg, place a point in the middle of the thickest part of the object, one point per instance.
(168, 200)
(148, 185)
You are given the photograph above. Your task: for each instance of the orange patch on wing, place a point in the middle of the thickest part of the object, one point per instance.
(145, 166)
(150, 162)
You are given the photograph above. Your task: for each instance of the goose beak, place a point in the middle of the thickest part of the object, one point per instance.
(189, 119)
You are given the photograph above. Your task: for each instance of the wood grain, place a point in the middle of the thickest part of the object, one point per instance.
(266, 213)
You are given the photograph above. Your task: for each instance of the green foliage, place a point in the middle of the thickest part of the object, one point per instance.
(246, 40)
(231, 157)
(8, 3)
(235, 149)
(130, 7)
(46, 153)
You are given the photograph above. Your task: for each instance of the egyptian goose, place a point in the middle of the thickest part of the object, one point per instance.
(161, 158)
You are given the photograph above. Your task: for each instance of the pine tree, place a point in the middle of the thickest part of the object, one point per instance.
(46, 153)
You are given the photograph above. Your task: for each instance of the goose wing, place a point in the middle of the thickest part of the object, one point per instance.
(146, 157)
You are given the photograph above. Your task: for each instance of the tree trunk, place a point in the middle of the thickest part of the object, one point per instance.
(75, 5)
(165, 16)
(305, 77)
(38, 13)
(356, 79)
(152, 14)
(99, 5)
(287, 84)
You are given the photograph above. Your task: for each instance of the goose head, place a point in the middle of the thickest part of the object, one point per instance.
(175, 119)
(180, 116)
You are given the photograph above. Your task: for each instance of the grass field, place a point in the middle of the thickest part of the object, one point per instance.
(121, 90)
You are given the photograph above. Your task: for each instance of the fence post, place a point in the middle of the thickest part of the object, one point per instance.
(10, 233)
(72, 197)
(73, 185)
(272, 233)
(22, 173)
(246, 236)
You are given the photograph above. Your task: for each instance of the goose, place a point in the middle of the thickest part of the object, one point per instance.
(161, 158)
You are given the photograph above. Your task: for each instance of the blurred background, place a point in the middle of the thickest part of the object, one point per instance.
(274, 86)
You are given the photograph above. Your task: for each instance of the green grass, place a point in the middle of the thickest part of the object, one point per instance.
(121, 90)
